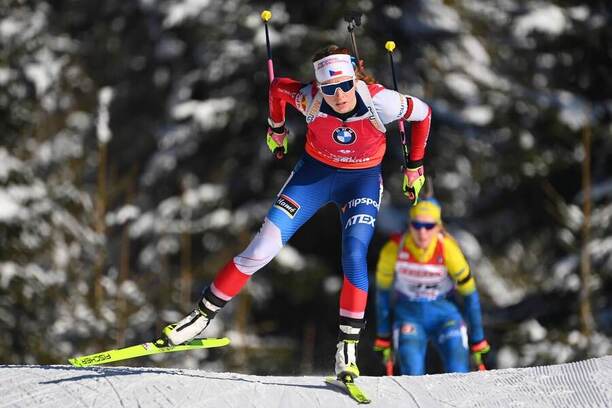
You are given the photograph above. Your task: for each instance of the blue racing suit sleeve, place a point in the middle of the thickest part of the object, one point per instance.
(459, 271)
(385, 271)
(383, 313)
(473, 316)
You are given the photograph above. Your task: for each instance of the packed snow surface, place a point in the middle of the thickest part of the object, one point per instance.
(584, 384)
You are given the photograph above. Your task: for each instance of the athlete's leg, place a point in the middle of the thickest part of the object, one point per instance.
(306, 190)
(357, 194)
(358, 198)
(452, 342)
(410, 343)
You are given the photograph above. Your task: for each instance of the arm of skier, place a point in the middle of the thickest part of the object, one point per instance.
(385, 270)
(392, 106)
(281, 92)
(459, 270)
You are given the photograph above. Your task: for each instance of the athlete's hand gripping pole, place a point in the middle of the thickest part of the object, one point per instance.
(276, 140)
(479, 351)
(414, 175)
(383, 345)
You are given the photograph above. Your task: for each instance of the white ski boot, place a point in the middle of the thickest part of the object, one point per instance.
(196, 322)
(346, 359)
(187, 328)
(346, 349)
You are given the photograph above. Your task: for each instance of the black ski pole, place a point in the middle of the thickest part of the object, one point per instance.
(353, 18)
(390, 46)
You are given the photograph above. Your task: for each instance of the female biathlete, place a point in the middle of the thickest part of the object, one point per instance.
(417, 275)
(345, 142)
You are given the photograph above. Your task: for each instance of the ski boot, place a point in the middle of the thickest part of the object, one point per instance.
(346, 359)
(195, 323)
(346, 349)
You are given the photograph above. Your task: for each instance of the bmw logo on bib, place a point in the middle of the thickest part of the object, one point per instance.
(344, 135)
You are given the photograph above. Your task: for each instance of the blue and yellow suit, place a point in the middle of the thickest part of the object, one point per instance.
(414, 302)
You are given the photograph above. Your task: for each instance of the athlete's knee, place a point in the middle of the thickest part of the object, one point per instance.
(354, 251)
(454, 335)
(262, 249)
(408, 336)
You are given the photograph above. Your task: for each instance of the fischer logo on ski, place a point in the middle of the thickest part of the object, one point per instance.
(145, 349)
(96, 359)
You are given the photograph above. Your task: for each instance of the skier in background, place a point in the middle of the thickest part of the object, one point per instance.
(345, 113)
(416, 277)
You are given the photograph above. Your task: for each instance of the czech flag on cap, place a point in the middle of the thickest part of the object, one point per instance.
(333, 66)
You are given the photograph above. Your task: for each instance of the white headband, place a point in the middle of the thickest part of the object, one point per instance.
(333, 66)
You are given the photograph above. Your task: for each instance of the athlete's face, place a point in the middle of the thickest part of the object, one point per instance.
(341, 101)
(423, 229)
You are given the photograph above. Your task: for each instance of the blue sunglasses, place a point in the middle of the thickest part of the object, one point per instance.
(330, 89)
(427, 225)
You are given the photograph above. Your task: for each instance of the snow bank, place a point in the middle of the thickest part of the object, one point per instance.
(584, 384)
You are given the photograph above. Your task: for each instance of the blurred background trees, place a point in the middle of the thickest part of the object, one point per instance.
(133, 165)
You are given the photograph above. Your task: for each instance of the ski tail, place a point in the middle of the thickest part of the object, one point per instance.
(145, 349)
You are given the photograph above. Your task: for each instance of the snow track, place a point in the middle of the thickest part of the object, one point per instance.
(584, 384)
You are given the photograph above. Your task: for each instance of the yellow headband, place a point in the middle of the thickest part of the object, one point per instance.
(427, 208)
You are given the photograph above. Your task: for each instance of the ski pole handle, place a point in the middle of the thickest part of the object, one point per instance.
(390, 46)
(353, 18)
(266, 16)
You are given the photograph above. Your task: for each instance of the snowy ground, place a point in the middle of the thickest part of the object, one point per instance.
(584, 384)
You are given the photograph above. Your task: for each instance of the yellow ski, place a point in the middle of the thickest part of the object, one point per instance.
(145, 349)
(348, 385)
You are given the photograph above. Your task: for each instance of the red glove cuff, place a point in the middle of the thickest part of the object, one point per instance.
(382, 343)
(480, 346)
